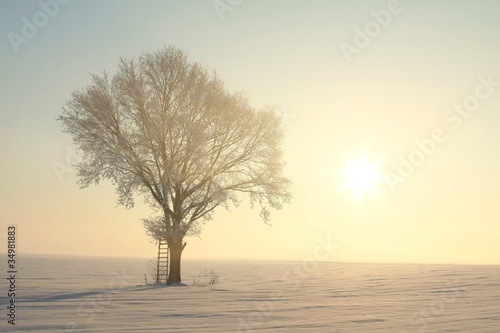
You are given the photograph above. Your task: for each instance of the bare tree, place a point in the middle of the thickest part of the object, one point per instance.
(168, 129)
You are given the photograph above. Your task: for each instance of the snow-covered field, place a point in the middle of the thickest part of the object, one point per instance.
(78, 294)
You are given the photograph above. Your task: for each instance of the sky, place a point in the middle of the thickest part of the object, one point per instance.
(390, 108)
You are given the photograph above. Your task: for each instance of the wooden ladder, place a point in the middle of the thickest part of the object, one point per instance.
(162, 264)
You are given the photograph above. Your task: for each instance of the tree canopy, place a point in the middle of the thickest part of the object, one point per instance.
(167, 128)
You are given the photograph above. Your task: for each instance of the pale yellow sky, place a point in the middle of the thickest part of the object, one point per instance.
(396, 90)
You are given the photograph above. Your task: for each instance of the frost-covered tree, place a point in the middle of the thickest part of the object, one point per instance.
(167, 129)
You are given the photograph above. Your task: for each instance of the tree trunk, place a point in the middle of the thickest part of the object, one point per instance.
(174, 274)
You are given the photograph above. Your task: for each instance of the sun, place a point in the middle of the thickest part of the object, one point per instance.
(360, 176)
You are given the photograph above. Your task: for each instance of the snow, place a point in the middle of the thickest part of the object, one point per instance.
(82, 294)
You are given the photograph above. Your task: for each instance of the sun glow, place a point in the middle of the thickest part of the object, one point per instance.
(360, 177)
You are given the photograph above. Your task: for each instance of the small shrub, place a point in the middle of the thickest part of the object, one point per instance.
(206, 279)
(152, 270)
